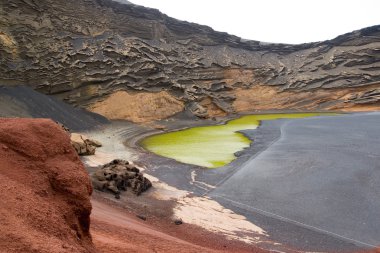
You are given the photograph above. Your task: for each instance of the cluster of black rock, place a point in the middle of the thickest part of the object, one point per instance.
(119, 175)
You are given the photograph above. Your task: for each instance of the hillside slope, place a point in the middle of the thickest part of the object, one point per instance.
(45, 198)
(85, 51)
(24, 102)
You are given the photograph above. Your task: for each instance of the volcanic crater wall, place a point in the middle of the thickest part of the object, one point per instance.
(83, 51)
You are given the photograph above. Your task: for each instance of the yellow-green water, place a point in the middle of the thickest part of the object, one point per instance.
(210, 146)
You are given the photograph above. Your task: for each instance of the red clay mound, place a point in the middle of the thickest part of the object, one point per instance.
(45, 190)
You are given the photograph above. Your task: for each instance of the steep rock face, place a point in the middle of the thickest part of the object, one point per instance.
(45, 190)
(83, 51)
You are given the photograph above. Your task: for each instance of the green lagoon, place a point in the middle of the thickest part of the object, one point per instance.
(211, 146)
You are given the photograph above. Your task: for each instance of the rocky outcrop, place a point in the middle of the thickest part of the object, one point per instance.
(85, 51)
(83, 145)
(117, 176)
(45, 190)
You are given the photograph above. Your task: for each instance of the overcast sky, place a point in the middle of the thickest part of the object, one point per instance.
(287, 21)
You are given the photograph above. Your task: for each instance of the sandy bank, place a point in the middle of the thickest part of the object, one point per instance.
(117, 229)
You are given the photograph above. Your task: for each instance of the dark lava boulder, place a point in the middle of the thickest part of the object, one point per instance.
(119, 175)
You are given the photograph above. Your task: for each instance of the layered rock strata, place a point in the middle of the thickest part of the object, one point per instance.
(85, 52)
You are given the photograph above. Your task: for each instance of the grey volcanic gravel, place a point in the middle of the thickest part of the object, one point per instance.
(319, 184)
(22, 101)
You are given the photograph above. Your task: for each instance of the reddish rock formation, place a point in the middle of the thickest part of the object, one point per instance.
(45, 190)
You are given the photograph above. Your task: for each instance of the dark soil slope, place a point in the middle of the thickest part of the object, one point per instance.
(21, 101)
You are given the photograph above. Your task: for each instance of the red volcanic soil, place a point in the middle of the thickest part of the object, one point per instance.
(45, 190)
(115, 230)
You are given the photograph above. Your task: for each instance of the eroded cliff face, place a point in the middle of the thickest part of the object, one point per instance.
(85, 51)
(45, 198)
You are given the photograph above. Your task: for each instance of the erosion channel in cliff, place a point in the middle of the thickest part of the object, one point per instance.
(211, 146)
